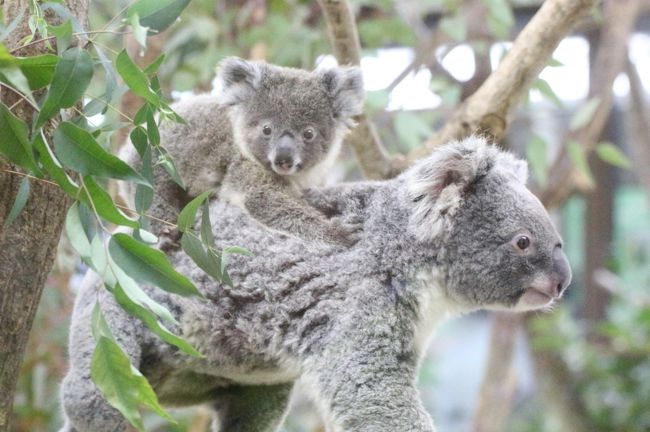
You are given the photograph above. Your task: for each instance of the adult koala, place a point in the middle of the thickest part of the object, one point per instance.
(457, 232)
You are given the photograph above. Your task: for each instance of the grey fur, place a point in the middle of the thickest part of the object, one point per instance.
(223, 146)
(351, 323)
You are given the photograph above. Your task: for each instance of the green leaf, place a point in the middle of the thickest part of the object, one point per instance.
(167, 163)
(584, 115)
(136, 293)
(158, 14)
(613, 155)
(536, 155)
(139, 31)
(500, 18)
(147, 236)
(63, 35)
(237, 250)
(139, 139)
(577, 155)
(104, 205)
(53, 167)
(155, 65)
(545, 89)
(39, 70)
(210, 263)
(455, 26)
(19, 202)
(78, 150)
(150, 320)
(15, 78)
(152, 129)
(148, 265)
(122, 385)
(76, 234)
(71, 78)
(14, 142)
(135, 78)
(206, 227)
(187, 216)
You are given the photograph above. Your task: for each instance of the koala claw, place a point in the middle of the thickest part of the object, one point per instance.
(346, 232)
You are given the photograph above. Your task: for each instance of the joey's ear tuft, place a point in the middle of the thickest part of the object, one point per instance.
(237, 80)
(436, 186)
(344, 85)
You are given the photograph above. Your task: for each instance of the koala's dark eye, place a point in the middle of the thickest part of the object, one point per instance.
(308, 134)
(523, 242)
(266, 130)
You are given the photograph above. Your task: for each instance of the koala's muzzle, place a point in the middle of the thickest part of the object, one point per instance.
(561, 270)
(284, 158)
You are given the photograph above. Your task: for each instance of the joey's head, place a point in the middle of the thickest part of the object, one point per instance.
(289, 120)
(497, 246)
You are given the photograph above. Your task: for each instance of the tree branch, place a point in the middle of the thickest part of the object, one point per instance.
(374, 160)
(640, 139)
(618, 24)
(489, 109)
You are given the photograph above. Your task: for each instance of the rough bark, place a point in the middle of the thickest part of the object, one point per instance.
(640, 128)
(374, 160)
(489, 109)
(28, 246)
(619, 19)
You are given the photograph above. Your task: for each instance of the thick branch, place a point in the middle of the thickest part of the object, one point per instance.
(618, 24)
(488, 110)
(28, 246)
(640, 139)
(373, 159)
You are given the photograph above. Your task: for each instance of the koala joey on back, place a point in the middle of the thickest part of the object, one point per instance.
(270, 132)
(457, 232)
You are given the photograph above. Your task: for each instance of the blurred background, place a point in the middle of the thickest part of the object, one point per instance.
(583, 366)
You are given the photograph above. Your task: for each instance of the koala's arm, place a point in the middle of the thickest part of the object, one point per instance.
(272, 202)
(342, 198)
(366, 378)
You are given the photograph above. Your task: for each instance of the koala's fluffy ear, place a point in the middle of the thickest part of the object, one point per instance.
(237, 80)
(437, 185)
(344, 85)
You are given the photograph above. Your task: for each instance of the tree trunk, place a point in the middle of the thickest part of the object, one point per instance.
(28, 246)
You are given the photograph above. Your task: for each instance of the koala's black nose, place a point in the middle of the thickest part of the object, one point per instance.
(285, 152)
(561, 269)
(283, 159)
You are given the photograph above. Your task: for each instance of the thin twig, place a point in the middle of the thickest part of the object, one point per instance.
(21, 96)
(34, 42)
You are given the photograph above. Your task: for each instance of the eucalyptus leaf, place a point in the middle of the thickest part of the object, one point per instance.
(584, 115)
(148, 265)
(139, 31)
(53, 167)
(77, 235)
(611, 154)
(157, 14)
(14, 141)
(135, 78)
(39, 70)
(536, 152)
(121, 384)
(187, 216)
(71, 78)
(150, 321)
(577, 155)
(209, 263)
(77, 149)
(104, 205)
(19, 202)
(14, 78)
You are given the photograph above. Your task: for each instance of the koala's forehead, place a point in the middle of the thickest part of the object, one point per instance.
(505, 207)
(295, 100)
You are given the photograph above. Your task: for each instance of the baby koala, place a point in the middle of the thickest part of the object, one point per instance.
(269, 133)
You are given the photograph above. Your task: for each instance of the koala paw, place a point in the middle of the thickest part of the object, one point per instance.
(345, 231)
(169, 239)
